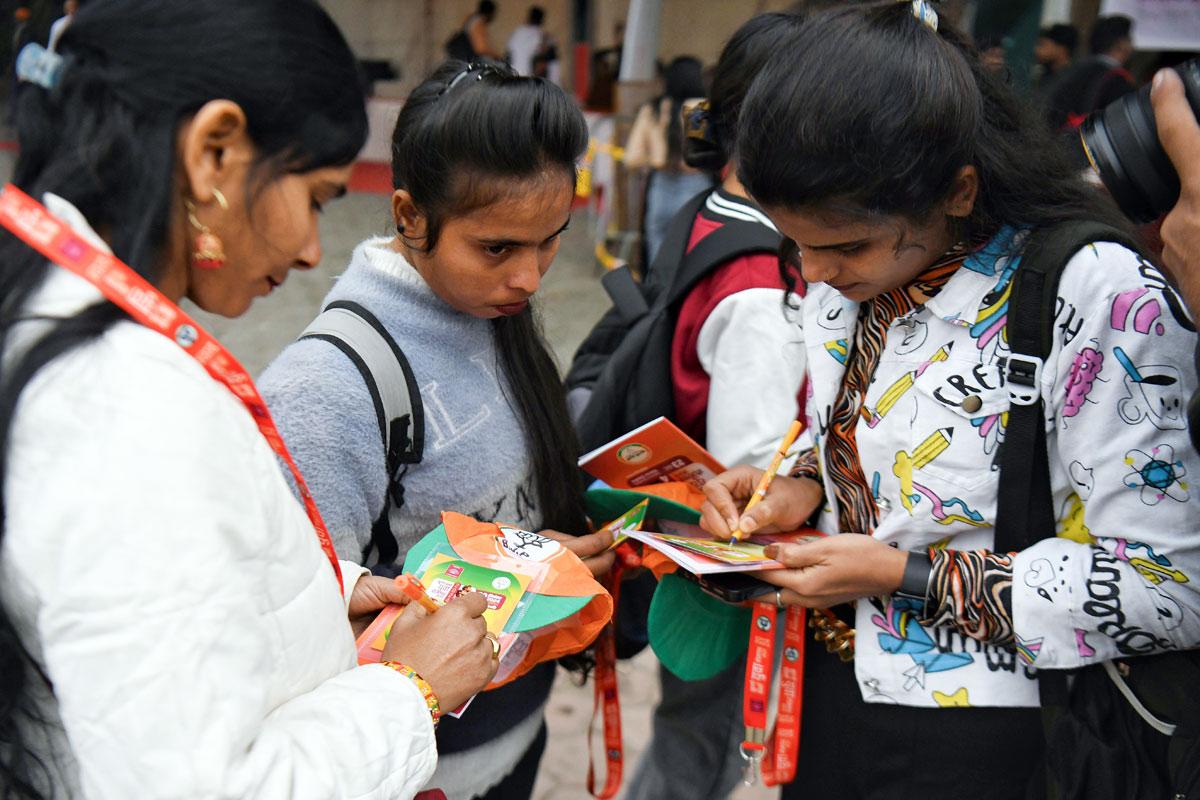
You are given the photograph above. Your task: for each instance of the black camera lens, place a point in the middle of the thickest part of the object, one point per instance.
(1121, 142)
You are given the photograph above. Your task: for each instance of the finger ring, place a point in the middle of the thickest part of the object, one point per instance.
(491, 637)
(778, 598)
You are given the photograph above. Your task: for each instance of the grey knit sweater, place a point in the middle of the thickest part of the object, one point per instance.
(475, 461)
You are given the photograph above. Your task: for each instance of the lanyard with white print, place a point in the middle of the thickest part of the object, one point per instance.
(776, 754)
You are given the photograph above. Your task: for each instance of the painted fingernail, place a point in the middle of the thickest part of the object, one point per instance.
(771, 550)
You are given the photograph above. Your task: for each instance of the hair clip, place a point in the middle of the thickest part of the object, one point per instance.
(36, 64)
(697, 121)
(479, 70)
(924, 12)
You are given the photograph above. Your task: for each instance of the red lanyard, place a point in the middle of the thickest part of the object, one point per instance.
(31, 222)
(778, 753)
(606, 695)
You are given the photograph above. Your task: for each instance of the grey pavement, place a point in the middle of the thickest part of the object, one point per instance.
(571, 301)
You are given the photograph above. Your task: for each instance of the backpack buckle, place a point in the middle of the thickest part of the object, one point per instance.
(1023, 378)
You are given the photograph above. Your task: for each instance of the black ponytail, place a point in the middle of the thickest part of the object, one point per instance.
(462, 137)
(874, 112)
(104, 139)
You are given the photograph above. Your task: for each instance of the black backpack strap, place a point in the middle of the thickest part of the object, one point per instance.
(631, 299)
(389, 378)
(661, 273)
(1025, 503)
(730, 241)
(1025, 508)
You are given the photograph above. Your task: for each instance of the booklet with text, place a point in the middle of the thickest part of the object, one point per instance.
(657, 452)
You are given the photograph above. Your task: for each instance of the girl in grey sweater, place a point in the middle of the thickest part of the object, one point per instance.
(484, 170)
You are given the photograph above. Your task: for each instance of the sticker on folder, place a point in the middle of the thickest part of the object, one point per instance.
(446, 578)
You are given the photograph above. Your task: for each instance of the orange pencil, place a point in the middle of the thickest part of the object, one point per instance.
(764, 482)
(412, 587)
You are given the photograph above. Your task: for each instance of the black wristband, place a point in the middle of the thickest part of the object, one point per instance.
(914, 585)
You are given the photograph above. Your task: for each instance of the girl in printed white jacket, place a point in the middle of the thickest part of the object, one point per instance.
(909, 178)
(170, 626)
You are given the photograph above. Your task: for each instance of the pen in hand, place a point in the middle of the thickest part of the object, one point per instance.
(764, 482)
(412, 587)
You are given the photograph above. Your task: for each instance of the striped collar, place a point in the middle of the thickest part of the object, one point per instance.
(725, 206)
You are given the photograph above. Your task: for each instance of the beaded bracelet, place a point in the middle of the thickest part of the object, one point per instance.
(431, 699)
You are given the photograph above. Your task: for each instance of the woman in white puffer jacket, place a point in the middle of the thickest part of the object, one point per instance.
(169, 624)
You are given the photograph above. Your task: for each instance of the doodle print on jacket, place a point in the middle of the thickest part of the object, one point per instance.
(1027, 649)
(1153, 392)
(1083, 478)
(1084, 372)
(1157, 475)
(901, 634)
(888, 400)
(960, 699)
(1138, 311)
(911, 492)
(1151, 565)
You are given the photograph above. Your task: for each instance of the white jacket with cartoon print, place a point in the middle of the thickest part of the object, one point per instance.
(1122, 577)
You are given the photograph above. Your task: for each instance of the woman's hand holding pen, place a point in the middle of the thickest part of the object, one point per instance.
(448, 649)
(788, 503)
(835, 569)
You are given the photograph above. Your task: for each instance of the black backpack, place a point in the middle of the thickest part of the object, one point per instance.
(355, 331)
(620, 377)
(1126, 729)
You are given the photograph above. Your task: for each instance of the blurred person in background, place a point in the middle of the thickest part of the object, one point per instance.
(1096, 81)
(471, 41)
(656, 142)
(992, 54)
(60, 24)
(527, 42)
(1054, 52)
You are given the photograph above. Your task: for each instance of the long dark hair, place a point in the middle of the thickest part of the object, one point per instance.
(104, 139)
(873, 113)
(461, 138)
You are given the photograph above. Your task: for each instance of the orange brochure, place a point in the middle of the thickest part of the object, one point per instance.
(657, 452)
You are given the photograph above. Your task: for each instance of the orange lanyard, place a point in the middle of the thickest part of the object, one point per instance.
(606, 695)
(777, 753)
(33, 224)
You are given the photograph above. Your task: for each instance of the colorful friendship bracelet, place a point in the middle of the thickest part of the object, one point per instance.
(431, 699)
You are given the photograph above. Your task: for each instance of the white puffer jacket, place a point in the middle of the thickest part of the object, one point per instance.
(173, 591)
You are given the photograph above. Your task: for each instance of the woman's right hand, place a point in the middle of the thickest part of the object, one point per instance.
(448, 649)
(788, 504)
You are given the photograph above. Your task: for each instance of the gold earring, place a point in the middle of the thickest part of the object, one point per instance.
(208, 251)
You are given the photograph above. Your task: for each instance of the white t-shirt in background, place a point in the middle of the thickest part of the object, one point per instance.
(523, 45)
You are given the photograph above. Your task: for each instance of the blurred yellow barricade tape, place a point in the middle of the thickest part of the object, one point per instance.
(583, 180)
